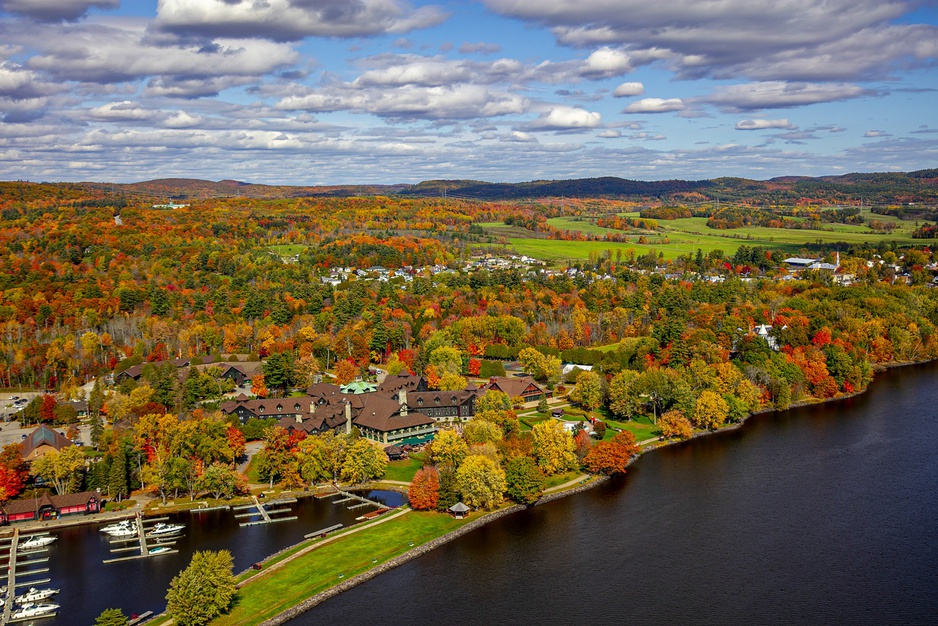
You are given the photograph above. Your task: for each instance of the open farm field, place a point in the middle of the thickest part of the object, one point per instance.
(686, 236)
(287, 249)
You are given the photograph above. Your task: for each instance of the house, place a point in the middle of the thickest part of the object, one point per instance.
(50, 507)
(442, 406)
(403, 381)
(385, 420)
(296, 408)
(764, 331)
(521, 386)
(42, 441)
(240, 374)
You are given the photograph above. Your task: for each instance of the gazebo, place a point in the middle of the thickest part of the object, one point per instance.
(459, 510)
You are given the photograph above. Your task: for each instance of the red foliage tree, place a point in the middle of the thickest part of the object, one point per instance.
(607, 457)
(475, 366)
(424, 492)
(47, 409)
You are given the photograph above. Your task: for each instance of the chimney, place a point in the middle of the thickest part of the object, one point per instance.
(348, 417)
(299, 418)
(312, 407)
(402, 397)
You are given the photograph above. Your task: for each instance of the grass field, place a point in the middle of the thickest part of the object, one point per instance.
(685, 236)
(403, 470)
(332, 563)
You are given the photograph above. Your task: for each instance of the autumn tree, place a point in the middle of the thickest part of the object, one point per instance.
(481, 482)
(345, 372)
(710, 411)
(612, 457)
(363, 461)
(673, 424)
(447, 448)
(623, 394)
(111, 617)
(553, 447)
(588, 391)
(424, 491)
(482, 431)
(63, 469)
(258, 387)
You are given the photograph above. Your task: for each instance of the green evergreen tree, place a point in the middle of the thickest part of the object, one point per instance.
(111, 617)
(203, 590)
(117, 475)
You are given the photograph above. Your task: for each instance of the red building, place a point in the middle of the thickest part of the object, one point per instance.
(50, 507)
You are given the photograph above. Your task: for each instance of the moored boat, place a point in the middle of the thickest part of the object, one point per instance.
(34, 610)
(35, 595)
(161, 530)
(36, 542)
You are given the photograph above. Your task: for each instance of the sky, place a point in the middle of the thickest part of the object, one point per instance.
(328, 92)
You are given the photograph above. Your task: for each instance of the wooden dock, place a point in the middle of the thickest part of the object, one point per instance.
(265, 513)
(143, 547)
(20, 574)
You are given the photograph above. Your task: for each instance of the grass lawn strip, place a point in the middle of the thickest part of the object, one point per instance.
(320, 566)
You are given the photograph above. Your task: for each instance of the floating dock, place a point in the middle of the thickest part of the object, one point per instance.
(143, 548)
(262, 510)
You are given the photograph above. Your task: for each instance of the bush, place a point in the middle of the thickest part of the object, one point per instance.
(120, 506)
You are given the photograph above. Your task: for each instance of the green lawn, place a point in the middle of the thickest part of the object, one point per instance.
(339, 560)
(403, 470)
(559, 479)
(641, 426)
(287, 249)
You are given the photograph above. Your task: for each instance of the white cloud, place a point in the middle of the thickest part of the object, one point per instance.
(479, 48)
(793, 40)
(655, 105)
(606, 62)
(125, 111)
(567, 118)
(55, 10)
(764, 124)
(291, 20)
(626, 90)
(609, 134)
(779, 94)
(876, 133)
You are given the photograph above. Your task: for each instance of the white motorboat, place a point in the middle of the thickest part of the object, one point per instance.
(160, 550)
(162, 530)
(123, 533)
(124, 524)
(34, 610)
(35, 595)
(36, 542)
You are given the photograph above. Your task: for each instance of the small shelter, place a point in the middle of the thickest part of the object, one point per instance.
(459, 510)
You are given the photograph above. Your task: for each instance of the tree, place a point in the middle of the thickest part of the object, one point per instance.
(542, 406)
(612, 457)
(111, 617)
(481, 482)
(553, 447)
(64, 469)
(588, 391)
(13, 472)
(481, 431)
(674, 424)
(236, 443)
(258, 388)
(623, 396)
(451, 382)
(363, 461)
(448, 448)
(203, 590)
(424, 491)
(345, 372)
(524, 480)
(219, 480)
(710, 411)
(47, 408)
(273, 462)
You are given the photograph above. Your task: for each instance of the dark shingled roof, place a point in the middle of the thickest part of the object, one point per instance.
(383, 414)
(43, 436)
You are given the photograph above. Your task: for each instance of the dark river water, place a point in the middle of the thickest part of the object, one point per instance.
(819, 515)
(89, 586)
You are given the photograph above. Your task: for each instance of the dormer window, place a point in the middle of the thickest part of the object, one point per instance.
(279, 408)
(296, 407)
(260, 409)
(436, 399)
(420, 401)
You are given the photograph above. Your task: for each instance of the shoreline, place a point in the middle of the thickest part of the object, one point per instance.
(593, 482)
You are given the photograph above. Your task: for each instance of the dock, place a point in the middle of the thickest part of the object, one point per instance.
(322, 532)
(21, 572)
(142, 548)
(265, 511)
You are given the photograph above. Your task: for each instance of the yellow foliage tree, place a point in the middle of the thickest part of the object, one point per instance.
(554, 448)
(481, 482)
(710, 411)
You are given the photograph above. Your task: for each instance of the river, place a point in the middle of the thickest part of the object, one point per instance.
(818, 515)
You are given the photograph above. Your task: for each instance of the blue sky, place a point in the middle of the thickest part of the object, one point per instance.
(388, 91)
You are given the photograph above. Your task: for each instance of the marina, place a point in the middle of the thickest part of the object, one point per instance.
(74, 562)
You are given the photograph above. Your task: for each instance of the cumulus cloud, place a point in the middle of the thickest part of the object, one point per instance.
(125, 111)
(655, 105)
(876, 133)
(839, 39)
(567, 118)
(460, 101)
(764, 124)
(779, 95)
(292, 20)
(610, 134)
(605, 63)
(409, 70)
(97, 53)
(55, 10)
(626, 90)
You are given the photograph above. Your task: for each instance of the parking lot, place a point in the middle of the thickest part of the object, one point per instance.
(10, 431)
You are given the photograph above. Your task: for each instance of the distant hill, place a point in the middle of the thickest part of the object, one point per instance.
(883, 188)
